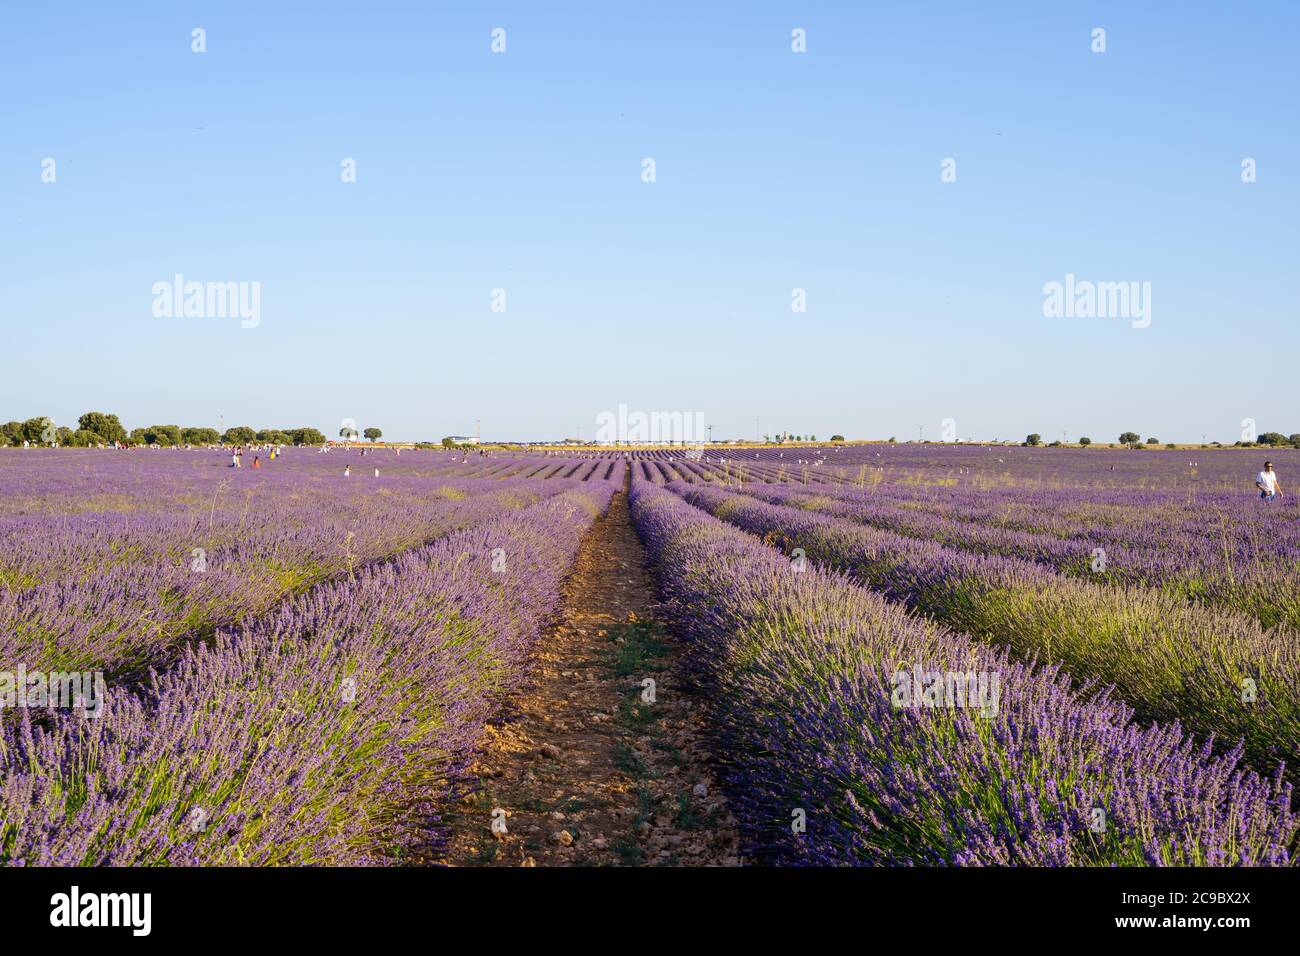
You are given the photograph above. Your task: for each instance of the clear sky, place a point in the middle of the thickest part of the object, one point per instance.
(775, 170)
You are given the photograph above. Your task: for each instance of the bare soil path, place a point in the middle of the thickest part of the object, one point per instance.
(601, 761)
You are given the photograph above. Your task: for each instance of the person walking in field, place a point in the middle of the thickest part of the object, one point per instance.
(1267, 483)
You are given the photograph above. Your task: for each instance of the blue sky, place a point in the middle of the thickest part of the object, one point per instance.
(774, 171)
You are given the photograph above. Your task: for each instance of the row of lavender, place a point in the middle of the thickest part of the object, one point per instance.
(832, 754)
(328, 731)
(1215, 670)
(1217, 475)
(123, 591)
(1233, 553)
(1237, 521)
(1226, 470)
(60, 482)
(1229, 549)
(114, 561)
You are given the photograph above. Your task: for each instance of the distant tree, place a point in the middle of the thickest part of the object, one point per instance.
(1055, 444)
(1171, 445)
(448, 443)
(1034, 439)
(64, 436)
(348, 433)
(11, 433)
(35, 430)
(239, 435)
(200, 436)
(373, 433)
(1272, 438)
(1295, 439)
(1085, 442)
(167, 435)
(837, 438)
(812, 437)
(1153, 441)
(1130, 438)
(306, 436)
(892, 439)
(83, 438)
(106, 426)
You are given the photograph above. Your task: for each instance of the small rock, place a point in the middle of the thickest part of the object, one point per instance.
(700, 790)
(528, 861)
(564, 838)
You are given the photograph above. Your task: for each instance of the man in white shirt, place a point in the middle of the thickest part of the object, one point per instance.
(1267, 483)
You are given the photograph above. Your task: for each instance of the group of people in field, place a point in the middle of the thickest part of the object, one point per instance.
(1266, 482)
(237, 456)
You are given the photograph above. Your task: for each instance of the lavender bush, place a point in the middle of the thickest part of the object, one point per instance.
(1218, 550)
(327, 732)
(799, 670)
(1218, 672)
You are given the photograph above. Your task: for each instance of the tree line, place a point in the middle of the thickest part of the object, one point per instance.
(101, 428)
(1134, 440)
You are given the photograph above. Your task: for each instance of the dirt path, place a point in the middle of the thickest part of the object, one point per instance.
(596, 767)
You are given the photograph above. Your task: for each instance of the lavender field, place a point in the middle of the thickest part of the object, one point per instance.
(896, 654)
(290, 665)
(852, 441)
